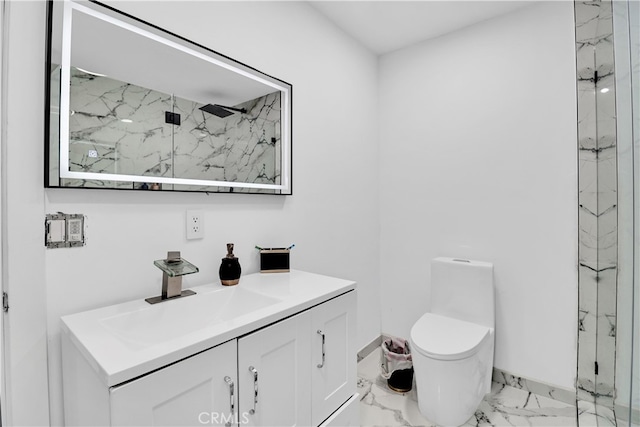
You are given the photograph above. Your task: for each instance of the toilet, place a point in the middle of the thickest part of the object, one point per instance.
(452, 344)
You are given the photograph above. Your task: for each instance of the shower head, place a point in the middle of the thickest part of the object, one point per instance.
(220, 110)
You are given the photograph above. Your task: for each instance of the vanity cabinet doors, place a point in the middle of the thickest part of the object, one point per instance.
(274, 374)
(304, 368)
(299, 371)
(333, 355)
(194, 391)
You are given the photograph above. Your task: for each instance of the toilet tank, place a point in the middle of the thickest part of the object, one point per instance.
(463, 289)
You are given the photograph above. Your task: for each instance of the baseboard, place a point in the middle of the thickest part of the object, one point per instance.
(540, 388)
(368, 349)
(622, 413)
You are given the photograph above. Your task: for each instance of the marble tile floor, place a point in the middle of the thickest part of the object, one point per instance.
(504, 406)
(590, 414)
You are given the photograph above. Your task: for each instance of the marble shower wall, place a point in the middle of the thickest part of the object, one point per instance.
(119, 128)
(597, 202)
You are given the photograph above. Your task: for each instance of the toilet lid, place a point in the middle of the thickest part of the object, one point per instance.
(446, 338)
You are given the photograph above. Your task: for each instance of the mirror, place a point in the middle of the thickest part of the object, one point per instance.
(132, 106)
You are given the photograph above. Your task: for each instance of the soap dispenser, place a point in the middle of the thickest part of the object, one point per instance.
(230, 268)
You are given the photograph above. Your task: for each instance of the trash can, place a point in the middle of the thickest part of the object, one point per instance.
(396, 364)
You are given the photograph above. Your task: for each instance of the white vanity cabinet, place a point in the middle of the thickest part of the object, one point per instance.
(275, 375)
(196, 391)
(291, 366)
(333, 326)
(301, 370)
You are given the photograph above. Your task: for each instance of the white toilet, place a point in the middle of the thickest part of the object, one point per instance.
(452, 344)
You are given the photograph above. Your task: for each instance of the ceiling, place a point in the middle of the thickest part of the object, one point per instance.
(385, 26)
(380, 25)
(102, 41)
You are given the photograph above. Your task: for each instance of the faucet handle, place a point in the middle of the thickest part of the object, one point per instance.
(173, 256)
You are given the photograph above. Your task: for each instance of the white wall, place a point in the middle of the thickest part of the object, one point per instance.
(332, 216)
(23, 253)
(478, 159)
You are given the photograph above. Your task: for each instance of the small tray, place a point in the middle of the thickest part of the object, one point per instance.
(274, 260)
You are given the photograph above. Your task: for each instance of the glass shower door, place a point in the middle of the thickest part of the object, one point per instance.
(627, 49)
(634, 29)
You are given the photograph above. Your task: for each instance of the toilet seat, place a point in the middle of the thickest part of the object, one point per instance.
(446, 338)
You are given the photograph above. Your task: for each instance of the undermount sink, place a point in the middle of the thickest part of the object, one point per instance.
(173, 319)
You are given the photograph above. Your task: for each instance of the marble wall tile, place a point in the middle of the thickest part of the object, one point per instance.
(589, 24)
(598, 228)
(586, 365)
(587, 176)
(606, 118)
(241, 147)
(607, 301)
(590, 414)
(606, 333)
(141, 146)
(605, 380)
(588, 238)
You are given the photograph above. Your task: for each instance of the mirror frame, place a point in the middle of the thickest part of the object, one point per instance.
(160, 35)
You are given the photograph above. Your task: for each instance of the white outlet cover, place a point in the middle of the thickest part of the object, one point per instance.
(195, 224)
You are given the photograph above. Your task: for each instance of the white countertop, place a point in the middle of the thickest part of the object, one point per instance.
(117, 356)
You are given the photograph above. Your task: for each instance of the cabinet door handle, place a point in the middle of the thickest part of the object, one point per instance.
(255, 389)
(232, 387)
(320, 365)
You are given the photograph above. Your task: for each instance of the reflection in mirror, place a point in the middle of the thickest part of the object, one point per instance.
(133, 107)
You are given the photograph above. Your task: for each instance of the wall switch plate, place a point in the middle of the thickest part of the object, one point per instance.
(56, 231)
(64, 230)
(75, 228)
(195, 224)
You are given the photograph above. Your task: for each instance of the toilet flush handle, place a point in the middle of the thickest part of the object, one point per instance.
(320, 365)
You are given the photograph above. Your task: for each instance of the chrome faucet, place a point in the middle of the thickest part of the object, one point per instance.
(173, 268)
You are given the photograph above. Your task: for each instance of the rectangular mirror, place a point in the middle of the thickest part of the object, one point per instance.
(132, 106)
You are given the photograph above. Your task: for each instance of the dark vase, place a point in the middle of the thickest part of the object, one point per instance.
(230, 269)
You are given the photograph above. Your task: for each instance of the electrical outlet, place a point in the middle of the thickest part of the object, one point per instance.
(195, 225)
